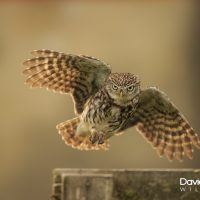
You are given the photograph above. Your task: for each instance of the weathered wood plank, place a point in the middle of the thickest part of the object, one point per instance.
(97, 184)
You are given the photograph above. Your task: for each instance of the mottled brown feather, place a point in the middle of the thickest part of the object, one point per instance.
(67, 130)
(164, 126)
(159, 121)
(79, 75)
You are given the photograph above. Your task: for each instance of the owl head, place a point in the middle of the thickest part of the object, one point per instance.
(123, 88)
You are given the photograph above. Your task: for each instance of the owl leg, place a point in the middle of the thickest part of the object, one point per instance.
(101, 138)
(94, 137)
(97, 136)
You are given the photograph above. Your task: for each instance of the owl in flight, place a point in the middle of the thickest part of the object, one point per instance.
(108, 103)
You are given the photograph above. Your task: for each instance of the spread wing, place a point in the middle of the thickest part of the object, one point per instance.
(78, 75)
(164, 126)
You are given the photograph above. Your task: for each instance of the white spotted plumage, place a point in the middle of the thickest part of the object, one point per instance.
(108, 103)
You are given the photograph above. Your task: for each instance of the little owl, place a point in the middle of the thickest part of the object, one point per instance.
(108, 103)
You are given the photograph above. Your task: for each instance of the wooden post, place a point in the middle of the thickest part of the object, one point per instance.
(97, 184)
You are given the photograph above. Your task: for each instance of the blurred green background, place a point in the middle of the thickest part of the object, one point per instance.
(157, 40)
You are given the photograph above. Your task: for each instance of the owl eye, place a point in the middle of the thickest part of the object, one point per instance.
(114, 87)
(130, 88)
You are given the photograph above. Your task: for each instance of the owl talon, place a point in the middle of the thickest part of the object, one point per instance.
(94, 138)
(101, 139)
(97, 137)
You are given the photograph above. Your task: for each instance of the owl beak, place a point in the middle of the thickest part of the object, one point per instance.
(121, 93)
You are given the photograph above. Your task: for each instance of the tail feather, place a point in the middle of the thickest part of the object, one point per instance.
(68, 129)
